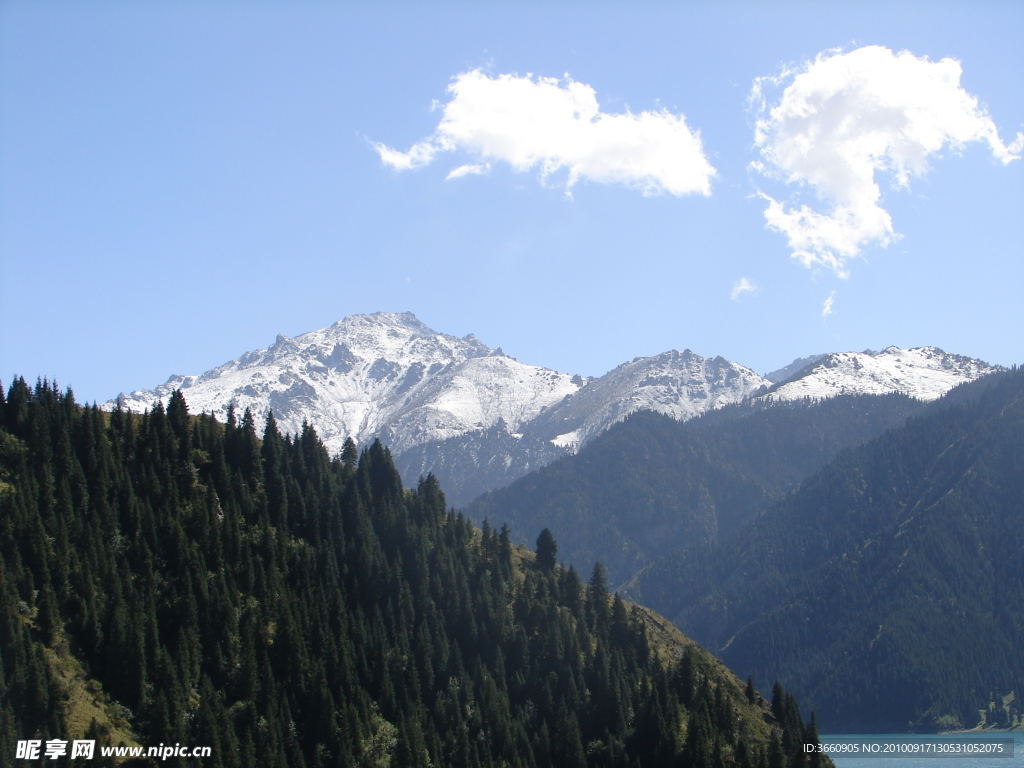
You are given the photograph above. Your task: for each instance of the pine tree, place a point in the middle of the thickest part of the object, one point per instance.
(349, 454)
(546, 550)
(598, 581)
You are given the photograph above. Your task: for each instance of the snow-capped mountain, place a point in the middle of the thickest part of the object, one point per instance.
(479, 419)
(925, 373)
(678, 384)
(382, 375)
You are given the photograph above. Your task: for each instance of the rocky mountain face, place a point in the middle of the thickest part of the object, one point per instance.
(479, 419)
(786, 372)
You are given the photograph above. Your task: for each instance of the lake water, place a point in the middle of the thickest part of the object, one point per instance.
(1017, 761)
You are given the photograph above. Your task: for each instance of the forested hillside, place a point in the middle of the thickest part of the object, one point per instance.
(166, 578)
(651, 484)
(888, 590)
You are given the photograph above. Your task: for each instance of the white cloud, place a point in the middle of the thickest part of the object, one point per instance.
(468, 170)
(539, 122)
(742, 286)
(845, 117)
(826, 308)
(418, 155)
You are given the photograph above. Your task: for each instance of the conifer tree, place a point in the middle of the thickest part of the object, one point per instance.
(598, 581)
(546, 550)
(349, 454)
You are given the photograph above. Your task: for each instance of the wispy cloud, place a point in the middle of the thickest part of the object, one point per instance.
(742, 286)
(826, 308)
(554, 125)
(474, 169)
(847, 116)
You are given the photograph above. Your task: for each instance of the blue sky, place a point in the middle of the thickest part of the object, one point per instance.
(182, 181)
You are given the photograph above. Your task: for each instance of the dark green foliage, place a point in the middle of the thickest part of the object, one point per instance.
(651, 484)
(888, 591)
(288, 609)
(546, 550)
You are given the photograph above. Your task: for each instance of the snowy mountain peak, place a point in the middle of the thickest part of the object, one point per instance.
(382, 375)
(925, 373)
(679, 384)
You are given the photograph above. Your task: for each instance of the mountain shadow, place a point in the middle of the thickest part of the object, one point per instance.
(651, 485)
(888, 590)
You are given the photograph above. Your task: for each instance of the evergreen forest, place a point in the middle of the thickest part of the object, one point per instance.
(166, 578)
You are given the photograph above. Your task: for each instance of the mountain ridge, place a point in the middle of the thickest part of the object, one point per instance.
(439, 399)
(840, 373)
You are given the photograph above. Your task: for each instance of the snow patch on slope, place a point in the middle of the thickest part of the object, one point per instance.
(570, 440)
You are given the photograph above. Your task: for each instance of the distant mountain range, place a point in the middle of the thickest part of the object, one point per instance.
(479, 419)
